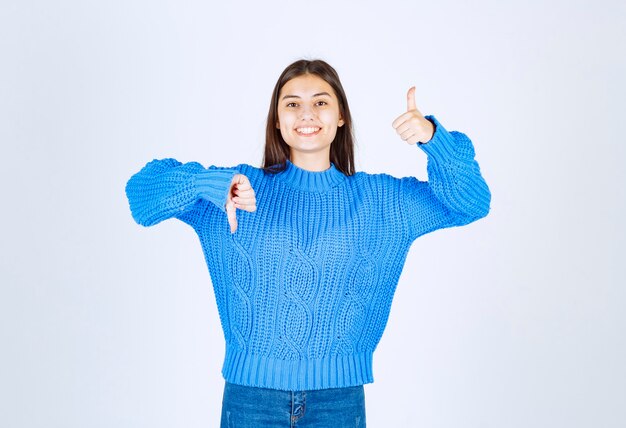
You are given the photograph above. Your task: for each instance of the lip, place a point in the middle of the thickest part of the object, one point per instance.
(302, 134)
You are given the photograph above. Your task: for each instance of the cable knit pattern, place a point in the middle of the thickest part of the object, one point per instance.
(304, 286)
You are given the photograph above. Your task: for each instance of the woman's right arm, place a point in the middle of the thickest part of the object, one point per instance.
(167, 188)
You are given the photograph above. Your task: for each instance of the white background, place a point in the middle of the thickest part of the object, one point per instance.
(516, 320)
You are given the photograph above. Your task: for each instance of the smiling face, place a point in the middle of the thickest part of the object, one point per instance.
(308, 117)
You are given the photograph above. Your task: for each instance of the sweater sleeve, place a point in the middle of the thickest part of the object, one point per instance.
(167, 188)
(454, 195)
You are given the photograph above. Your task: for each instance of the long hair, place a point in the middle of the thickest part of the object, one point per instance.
(342, 147)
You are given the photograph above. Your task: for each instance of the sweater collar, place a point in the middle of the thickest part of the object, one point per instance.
(314, 181)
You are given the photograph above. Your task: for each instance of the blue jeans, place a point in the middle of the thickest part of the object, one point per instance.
(251, 407)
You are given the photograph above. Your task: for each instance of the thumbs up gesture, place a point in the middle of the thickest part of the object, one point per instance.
(412, 126)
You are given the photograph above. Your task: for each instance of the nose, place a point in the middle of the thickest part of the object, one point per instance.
(306, 113)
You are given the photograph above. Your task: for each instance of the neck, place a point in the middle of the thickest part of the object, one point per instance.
(311, 180)
(311, 162)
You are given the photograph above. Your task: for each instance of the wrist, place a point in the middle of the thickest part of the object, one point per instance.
(432, 127)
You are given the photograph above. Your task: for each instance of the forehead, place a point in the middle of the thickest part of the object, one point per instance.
(306, 85)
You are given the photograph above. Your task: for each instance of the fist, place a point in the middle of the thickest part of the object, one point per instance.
(240, 196)
(412, 126)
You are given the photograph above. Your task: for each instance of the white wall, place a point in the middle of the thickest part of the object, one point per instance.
(514, 321)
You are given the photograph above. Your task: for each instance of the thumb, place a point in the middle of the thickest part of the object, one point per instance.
(410, 99)
(231, 213)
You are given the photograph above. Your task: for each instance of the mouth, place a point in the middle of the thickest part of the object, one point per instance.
(308, 131)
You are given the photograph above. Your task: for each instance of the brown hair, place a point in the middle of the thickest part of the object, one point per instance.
(341, 149)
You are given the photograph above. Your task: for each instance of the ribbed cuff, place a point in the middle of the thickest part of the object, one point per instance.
(213, 185)
(333, 371)
(441, 145)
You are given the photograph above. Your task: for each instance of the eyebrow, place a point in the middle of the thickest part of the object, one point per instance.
(315, 95)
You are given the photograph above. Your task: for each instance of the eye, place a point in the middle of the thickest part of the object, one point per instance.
(292, 104)
(321, 103)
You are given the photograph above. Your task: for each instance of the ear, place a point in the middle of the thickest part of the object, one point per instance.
(277, 125)
(340, 123)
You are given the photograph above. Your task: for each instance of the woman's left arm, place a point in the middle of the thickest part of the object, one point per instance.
(456, 193)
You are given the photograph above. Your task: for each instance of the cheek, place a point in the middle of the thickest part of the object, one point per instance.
(285, 119)
(283, 132)
(285, 125)
(330, 117)
(330, 113)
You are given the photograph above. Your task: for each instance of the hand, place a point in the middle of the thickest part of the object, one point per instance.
(240, 195)
(412, 126)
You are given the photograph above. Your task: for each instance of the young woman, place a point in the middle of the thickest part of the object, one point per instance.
(305, 253)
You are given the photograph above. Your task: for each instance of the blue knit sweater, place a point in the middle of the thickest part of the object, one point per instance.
(305, 284)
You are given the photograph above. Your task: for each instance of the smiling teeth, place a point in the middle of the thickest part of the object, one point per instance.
(307, 130)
